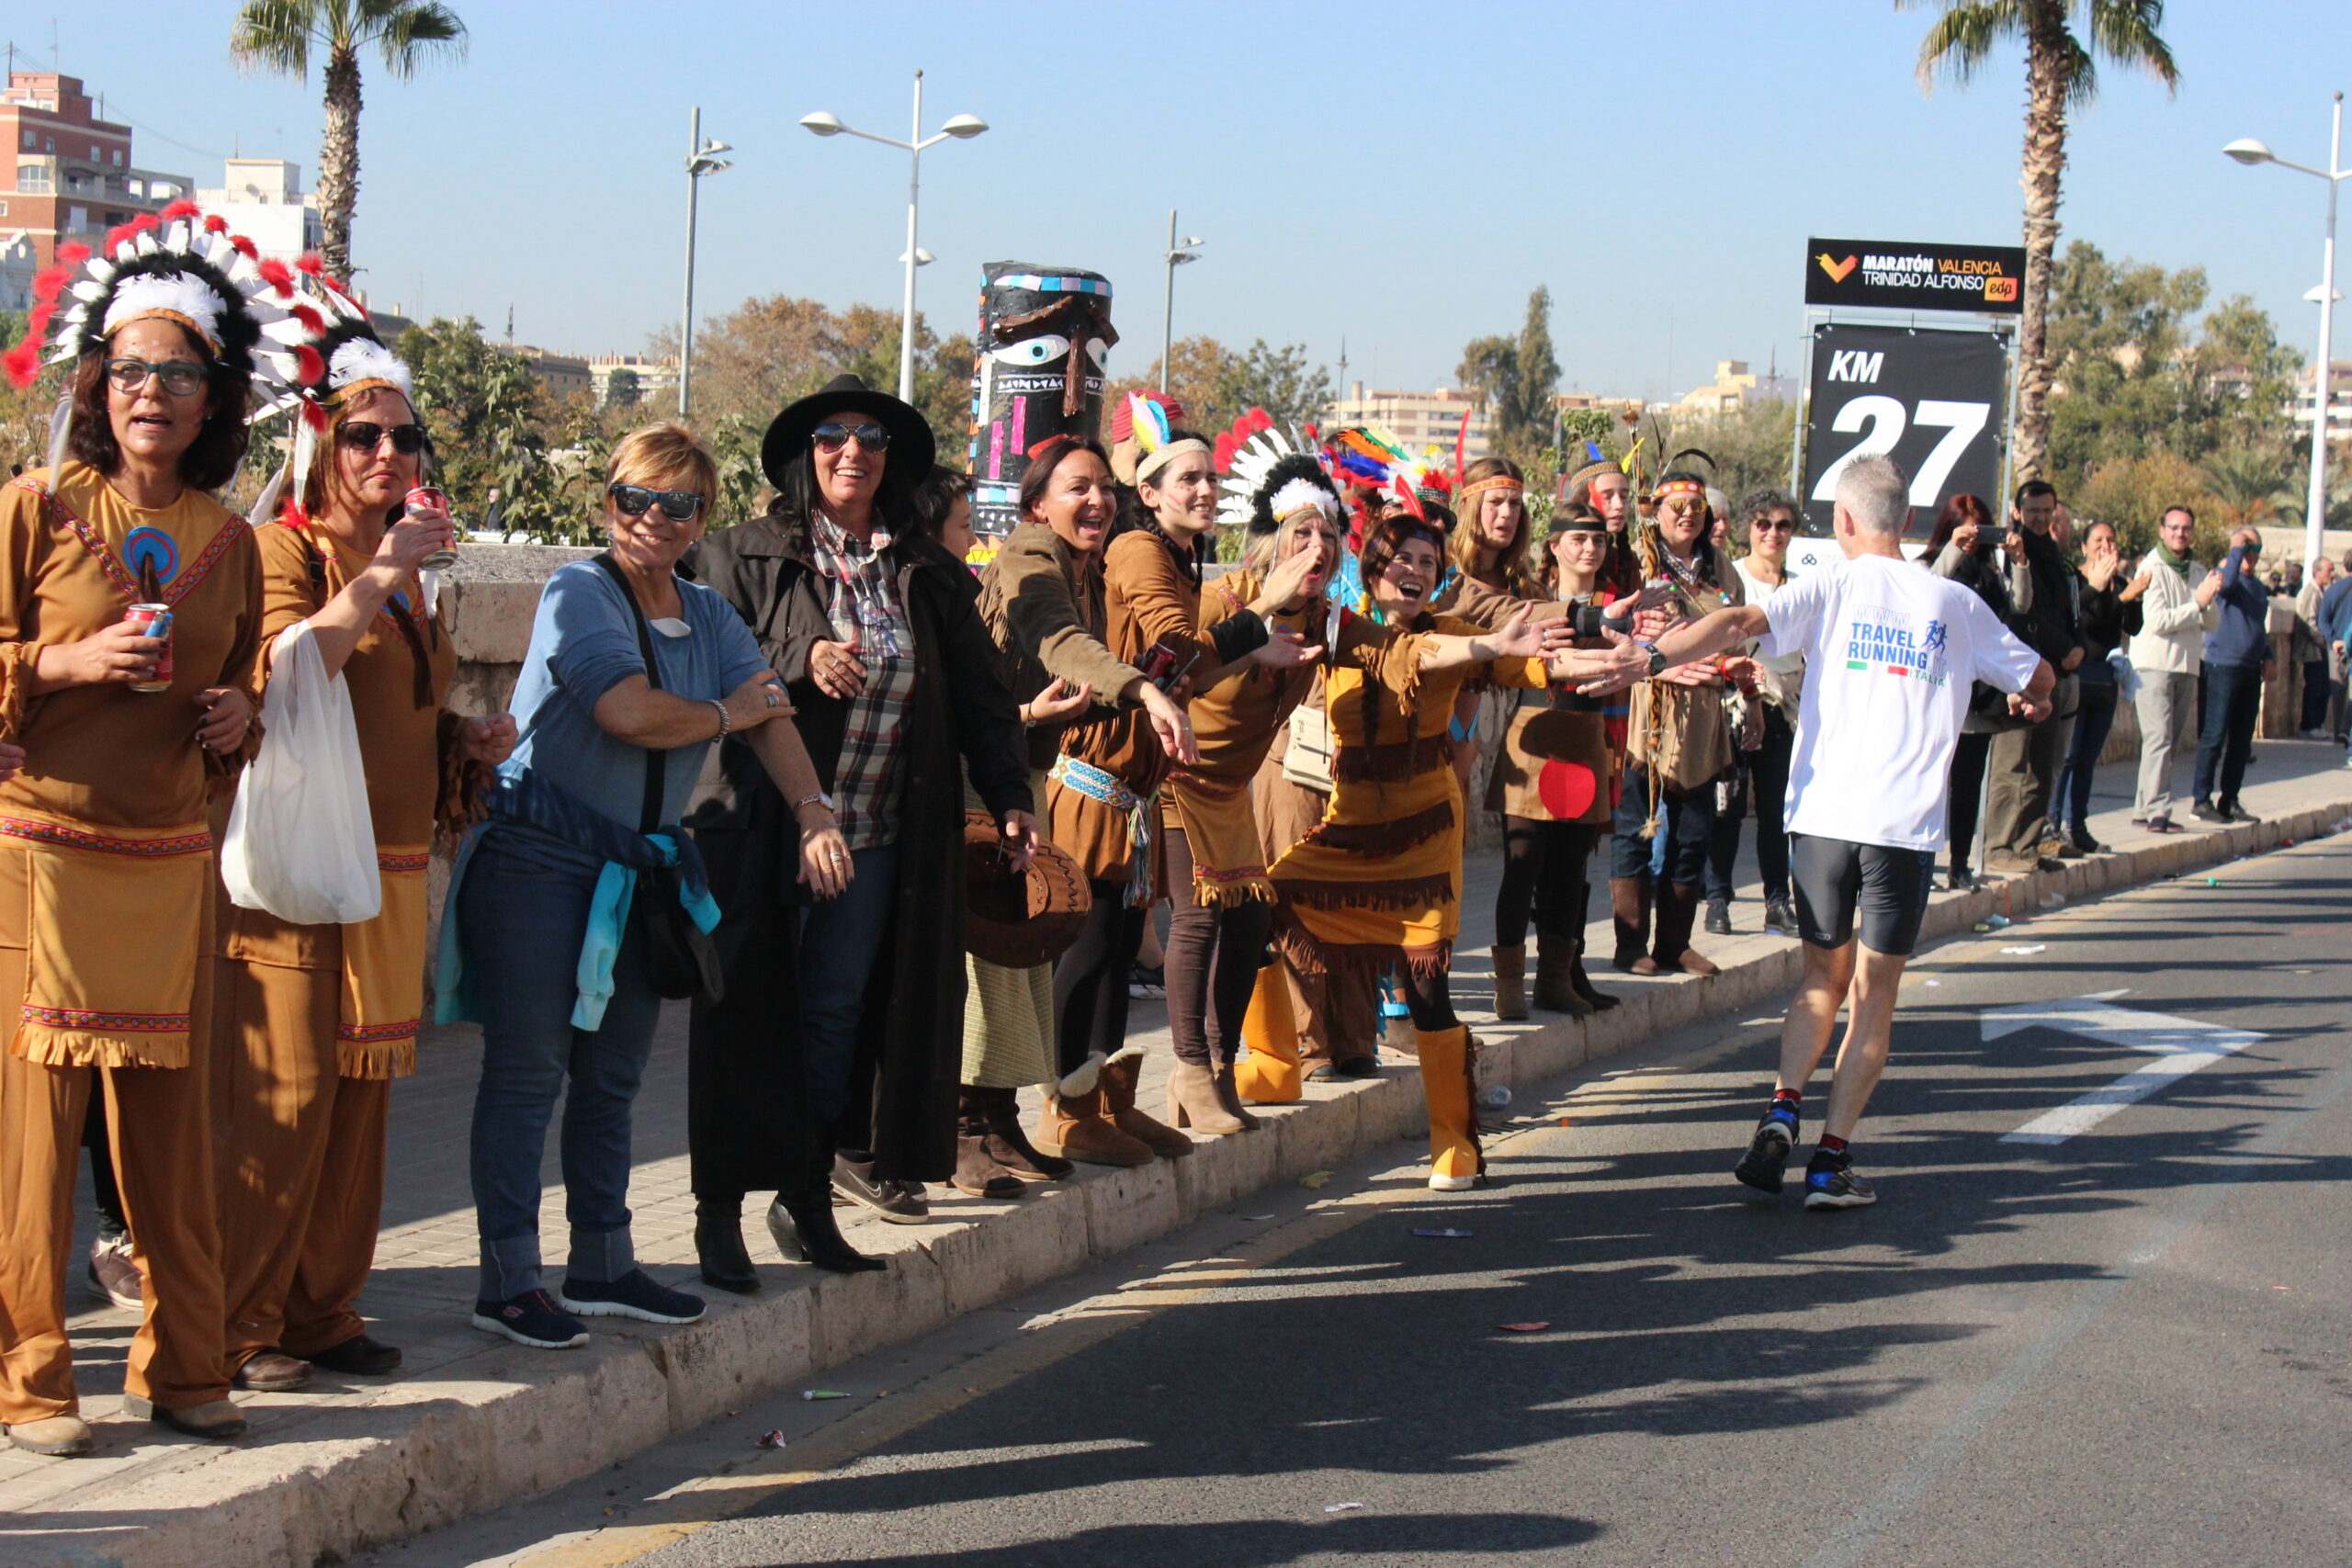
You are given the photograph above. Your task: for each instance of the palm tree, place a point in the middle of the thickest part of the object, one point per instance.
(2248, 482)
(2060, 76)
(278, 35)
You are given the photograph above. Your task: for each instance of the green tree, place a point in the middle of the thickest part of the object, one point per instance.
(1201, 370)
(623, 390)
(2061, 74)
(279, 36)
(1516, 375)
(491, 425)
(1278, 380)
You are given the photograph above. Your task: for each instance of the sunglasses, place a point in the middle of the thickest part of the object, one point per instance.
(181, 378)
(834, 437)
(1772, 525)
(635, 501)
(359, 436)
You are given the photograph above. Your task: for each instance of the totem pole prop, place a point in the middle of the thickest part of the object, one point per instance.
(1045, 333)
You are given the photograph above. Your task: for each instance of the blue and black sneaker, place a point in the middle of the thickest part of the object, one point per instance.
(1767, 1152)
(635, 1295)
(533, 1319)
(1840, 1189)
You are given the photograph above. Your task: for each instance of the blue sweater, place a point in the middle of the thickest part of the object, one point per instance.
(2243, 636)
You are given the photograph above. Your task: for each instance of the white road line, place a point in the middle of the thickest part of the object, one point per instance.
(2182, 1045)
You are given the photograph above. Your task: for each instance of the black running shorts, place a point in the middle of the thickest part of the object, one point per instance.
(1832, 878)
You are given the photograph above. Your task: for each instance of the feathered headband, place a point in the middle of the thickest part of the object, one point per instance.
(327, 352)
(179, 266)
(1144, 439)
(1292, 484)
(1246, 456)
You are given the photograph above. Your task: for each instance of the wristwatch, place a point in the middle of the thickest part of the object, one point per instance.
(1658, 659)
(819, 798)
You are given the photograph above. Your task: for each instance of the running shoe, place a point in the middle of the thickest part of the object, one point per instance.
(1767, 1152)
(1836, 1189)
(533, 1319)
(636, 1295)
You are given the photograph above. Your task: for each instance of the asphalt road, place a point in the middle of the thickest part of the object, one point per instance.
(2129, 1347)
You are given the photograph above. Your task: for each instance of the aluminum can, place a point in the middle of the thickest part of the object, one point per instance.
(155, 620)
(420, 497)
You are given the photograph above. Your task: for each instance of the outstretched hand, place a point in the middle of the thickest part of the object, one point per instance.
(1604, 671)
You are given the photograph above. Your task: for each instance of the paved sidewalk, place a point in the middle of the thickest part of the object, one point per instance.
(471, 1422)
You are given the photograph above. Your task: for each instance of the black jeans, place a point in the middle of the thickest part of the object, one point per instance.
(1090, 979)
(1763, 788)
(1544, 875)
(1967, 795)
(1214, 955)
(2093, 719)
(2315, 688)
(2232, 699)
(1689, 825)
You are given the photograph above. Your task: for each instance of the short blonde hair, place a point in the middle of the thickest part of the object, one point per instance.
(660, 454)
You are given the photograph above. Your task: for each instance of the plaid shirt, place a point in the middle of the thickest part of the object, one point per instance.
(863, 603)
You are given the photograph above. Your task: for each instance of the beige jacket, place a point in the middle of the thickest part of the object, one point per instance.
(2171, 640)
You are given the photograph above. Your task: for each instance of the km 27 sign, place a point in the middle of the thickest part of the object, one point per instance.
(1928, 400)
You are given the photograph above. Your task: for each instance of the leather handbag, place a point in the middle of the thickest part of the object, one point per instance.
(681, 958)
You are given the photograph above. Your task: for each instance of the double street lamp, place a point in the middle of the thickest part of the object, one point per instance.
(1177, 256)
(963, 128)
(2251, 151)
(702, 158)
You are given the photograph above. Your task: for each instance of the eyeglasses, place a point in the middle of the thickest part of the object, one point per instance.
(181, 378)
(834, 437)
(408, 440)
(635, 501)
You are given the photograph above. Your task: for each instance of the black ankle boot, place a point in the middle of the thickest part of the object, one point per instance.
(804, 1232)
(718, 1244)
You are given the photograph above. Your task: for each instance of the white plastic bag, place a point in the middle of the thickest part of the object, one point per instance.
(301, 843)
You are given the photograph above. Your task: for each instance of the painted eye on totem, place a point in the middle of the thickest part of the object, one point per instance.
(1044, 349)
(1099, 351)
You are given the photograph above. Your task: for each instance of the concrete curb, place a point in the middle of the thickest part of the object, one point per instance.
(504, 1423)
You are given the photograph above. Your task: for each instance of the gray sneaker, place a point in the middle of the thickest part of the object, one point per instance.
(901, 1202)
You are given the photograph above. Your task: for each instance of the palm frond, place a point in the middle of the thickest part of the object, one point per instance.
(411, 33)
(1963, 37)
(273, 36)
(2124, 33)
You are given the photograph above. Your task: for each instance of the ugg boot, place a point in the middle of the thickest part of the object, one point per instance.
(1511, 983)
(1009, 1146)
(1078, 1127)
(1595, 997)
(1455, 1162)
(1629, 906)
(1193, 1102)
(1677, 910)
(1556, 953)
(1229, 1096)
(1120, 1076)
(977, 1174)
(1267, 1073)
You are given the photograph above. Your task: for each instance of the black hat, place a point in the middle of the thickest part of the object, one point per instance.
(912, 450)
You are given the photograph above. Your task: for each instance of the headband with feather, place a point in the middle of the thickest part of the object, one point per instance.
(328, 352)
(1144, 438)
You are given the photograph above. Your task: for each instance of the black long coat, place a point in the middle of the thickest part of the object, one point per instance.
(960, 719)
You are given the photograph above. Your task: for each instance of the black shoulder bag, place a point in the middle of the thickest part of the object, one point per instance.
(680, 959)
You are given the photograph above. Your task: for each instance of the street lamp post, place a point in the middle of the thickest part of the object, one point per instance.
(963, 126)
(2250, 152)
(1177, 256)
(702, 158)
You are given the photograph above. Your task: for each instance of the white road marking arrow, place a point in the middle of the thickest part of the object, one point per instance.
(2181, 1044)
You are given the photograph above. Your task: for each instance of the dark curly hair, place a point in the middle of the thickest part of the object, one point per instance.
(212, 459)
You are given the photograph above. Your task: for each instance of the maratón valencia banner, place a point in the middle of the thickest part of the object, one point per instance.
(1899, 275)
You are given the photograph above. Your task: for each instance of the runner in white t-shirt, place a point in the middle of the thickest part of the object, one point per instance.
(1890, 652)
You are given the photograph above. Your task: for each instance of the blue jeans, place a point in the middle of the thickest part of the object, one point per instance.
(2093, 719)
(1682, 840)
(525, 911)
(2233, 703)
(839, 938)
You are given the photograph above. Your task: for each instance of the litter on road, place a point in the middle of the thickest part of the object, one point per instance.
(1522, 1327)
(1340, 1508)
(770, 1439)
(1314, 1179)
(822, 1394)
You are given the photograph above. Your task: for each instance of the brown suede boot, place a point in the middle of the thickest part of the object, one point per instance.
(977, 1174)
(1193, 1102)
(1629, 906)
(1595, 997)
(1228, 1094)
(1678, 911)
(1119, 1081)
(1511, 983)
(1009, 1146)
(1556, 955)
(1078, 1127)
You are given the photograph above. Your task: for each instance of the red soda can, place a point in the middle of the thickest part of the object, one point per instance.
(154, 620)
(1161, 666)
(423, 497)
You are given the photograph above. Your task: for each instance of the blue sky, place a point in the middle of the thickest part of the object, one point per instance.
(1400, 173)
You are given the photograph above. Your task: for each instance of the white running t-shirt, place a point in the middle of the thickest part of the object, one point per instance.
(1890, 649)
